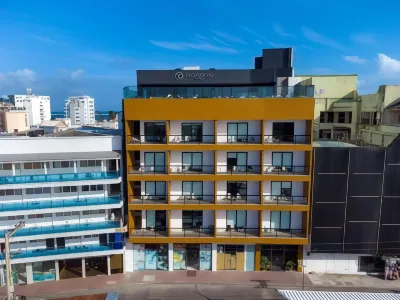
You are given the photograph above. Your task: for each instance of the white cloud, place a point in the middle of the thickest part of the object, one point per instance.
(388, 66)
(354, 59)
(275, 45)
(76, 74)
(363, 38)
(307, 47)
(47, 40)
(198, 46)
(259, 42)
(317, 38)
(279, 30)
(229, 38)
(18, 79)
(221, 42)
(253, 32)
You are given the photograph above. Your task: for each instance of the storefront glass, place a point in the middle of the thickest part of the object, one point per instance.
(280, 257)
(192, 257)
(230, 257)
(150, 257)
(44, 271)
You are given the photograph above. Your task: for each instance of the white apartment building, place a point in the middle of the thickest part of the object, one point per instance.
(38, 107)
(67, 189)
(80, 109)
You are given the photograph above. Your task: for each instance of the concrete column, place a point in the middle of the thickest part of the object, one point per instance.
(117, 165)
(45, 168)
(170, 257)
(29, 273)
(214, 257)
(108, 265)
(103, 166)
(2, 279)
(57, 267)
(13, 169)
(83, 268)
(75, 167)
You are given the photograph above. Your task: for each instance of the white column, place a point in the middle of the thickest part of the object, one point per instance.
(108, 265)
(45, 167)
(117, 165)
(13, 169)
(2, 279)
(144, 219)
(170, 257)
(29, 273)
(214, 257)
(57, 267)
(83, 268)
(75, 166)
(103, 166)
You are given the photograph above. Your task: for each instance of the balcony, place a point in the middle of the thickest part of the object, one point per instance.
(287, 139)
(238, 232)
(150, 232)
(146, 139)
(193, 232)
(238, 199)
(283, 233)
(287, 170)
(148, 199)
(238, 169)
(25, 253)
(192, 139)
(192, 199)
(285, 200)
(30, 231)
(58, 177)
(148, 169)
(184, 169)
(239, 139)
(45, 204)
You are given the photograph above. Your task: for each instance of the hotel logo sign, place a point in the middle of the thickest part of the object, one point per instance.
(193, 75)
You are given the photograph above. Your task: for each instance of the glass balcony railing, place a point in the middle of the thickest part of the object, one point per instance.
(238, 169)
(146, 139)
(150, 232)
(287, 139)
(285, 200)
(287, 170)
(220, 92)
(193, 232)
(191, 199)
(233, 232)
(184, 169)
(42, 204)
(148, 199)
(27, 231)
(58, 177)
(239, 139)
(238, 199)
(147, 169)
(283, 233)
(25, 253)
(191, 139)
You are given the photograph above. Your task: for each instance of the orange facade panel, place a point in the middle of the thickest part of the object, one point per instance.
(219, 109)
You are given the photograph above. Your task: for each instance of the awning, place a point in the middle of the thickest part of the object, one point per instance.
(316, 295)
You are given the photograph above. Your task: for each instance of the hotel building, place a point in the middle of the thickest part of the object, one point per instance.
(218, 167)
(67, 190)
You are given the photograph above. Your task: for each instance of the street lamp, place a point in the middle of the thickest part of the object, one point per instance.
(10, 284)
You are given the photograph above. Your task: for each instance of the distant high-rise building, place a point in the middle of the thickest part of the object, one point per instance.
(80, 109)
(37, 107)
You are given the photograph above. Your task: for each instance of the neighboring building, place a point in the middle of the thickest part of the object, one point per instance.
(37, 107)
(379, 122)
(336, 106)
(13, 119)
(67, 189)
(80, 110)
(53, 126)
(355, 205)
(219, 181)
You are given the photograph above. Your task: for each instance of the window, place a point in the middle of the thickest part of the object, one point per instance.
(237, 188)
(154, 161)
(90, 163)
(6, 167)
(39, 216)
(341, 117)
(65, 189)
(192, 132)
(154, 131)
(326, 117)
(330, 117)
(322, 117)
(282, 160)
(156, 188)
(87, 188)
(67, 214)
(36, 165)
(192, 161)
(370, 264)
(283, 131)
(10, 192)
(279, 188)
(12, 218)
(91, 236)
(236, 161)
(236, 218)
(94, 212)
(280, 219)
(38, 191)
(192, 188)
(192, 219)
(63, 164)
(237, 132)
(376, 118)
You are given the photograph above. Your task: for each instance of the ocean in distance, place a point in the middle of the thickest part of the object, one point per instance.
(60, 114)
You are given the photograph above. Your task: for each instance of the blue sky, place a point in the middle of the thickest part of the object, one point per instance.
(65, 48)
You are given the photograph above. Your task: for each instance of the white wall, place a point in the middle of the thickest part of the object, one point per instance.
(221, 220)
(253, 159)
(299, 127)
(332, 263)
(298, 157)
(175, 220)
(252, 219)
(297, 188)
(295, 219)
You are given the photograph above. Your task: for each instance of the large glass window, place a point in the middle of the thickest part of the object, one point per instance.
(44, 270)
(192, 161)
(150, 257)
(192, 257)
(237, 132)
(154, 132)
(192, 188)
(281, 188)
(237, 161)
(156, 219)
(237, 189)
(156, 189)
(280, 219)
(230, 257)
(192, 219)
(236, 218)
(282, 161)
(283, 131)
(192, 132)
(154, 162)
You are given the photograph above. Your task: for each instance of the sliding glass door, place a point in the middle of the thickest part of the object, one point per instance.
(283, 160)
(237, 161)
(155, 132)
(236, 218)
(281, 190)
(192, 132)
(192, 189)
(237, 132)
(192, 161)
(156, 189)
(154, 162)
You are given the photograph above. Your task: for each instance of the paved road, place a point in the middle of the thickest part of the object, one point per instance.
(180, 292)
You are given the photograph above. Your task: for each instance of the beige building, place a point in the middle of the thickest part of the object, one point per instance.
(53, 126)
(380, 116)
(13, 119)
(336, 105)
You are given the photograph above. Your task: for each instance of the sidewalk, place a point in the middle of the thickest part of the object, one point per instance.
(261, 279)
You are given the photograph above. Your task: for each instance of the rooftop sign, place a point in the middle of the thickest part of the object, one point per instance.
(193, 75)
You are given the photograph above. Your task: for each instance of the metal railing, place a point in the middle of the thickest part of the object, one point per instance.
(283, 233)
(234, 232)
(239, 139)
(192, 232)
(238, 169)
(146, 139)
(191, 139)
(191, 169)
(148, 169)
(148, 199)
(43, 204)
(238, 199)
(287, 170)
(192, 199)
(150, 232)
(287, 139)
(285, 200)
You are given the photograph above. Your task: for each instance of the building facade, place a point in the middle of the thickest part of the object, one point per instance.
(68, 192)
(37, 107)
(80, 109)
(218, 168)
(13, 119)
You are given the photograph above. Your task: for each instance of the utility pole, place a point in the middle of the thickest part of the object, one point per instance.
(10, 284)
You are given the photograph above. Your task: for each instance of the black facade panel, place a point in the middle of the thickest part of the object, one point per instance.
(389, 240)
(330, 188)
(331, 160)
(390, 213)
(328, 214)
(393, 152)
(363, 208)
(392, 180)
(277, 58)
(367, 160)
(365, 185)
(360, 237)
(258, 63)
(327, 240)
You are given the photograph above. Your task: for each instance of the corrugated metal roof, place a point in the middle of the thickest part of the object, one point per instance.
(316, 295)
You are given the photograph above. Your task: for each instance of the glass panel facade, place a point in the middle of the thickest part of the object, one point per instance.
(150, 257)
(44, 271)
(192, 257)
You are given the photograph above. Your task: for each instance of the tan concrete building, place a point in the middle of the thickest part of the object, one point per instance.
(53, 126)
(13, 119)
(380, 116)
(336, 105)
